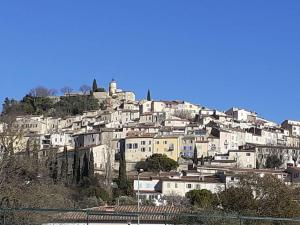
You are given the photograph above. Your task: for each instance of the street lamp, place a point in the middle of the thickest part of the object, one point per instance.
(139, 172)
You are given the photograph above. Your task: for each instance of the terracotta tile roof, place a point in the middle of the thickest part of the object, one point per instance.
(122, 213)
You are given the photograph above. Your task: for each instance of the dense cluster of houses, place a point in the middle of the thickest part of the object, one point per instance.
(234, 140)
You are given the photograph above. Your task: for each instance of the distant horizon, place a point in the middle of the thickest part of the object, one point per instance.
(217, 54)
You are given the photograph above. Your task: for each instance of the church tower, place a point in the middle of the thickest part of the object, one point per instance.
(112, 87)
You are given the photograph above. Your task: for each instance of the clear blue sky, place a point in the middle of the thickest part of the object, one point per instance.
(214, 53)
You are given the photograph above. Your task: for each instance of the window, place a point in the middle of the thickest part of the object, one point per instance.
(143, 142)
(176, 185)
(149, 149)
(157, 142)
(149, 142)
(135, 145)
(248, 154)
(168, 185)
(129, 146)
(165, 142)
(232, 178)
(143, 149)
(189, 186)
(198, 186)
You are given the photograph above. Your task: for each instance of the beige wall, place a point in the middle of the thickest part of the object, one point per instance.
(168, 145)
(180, 188)
(138, 148)
(244, 159)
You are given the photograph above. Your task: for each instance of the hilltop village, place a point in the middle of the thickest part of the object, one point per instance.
(211, 148)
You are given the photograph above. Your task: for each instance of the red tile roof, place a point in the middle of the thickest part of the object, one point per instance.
(122, 213)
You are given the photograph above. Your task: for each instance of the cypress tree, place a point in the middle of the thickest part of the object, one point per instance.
(66, 164)
(122, 179)
(62, 170)
(95, 87)
(202, 160)
(91, 165)
(148, 95)
(75, 163)
(78, 173)
(55, 171)
(195, 156)
(85, 166)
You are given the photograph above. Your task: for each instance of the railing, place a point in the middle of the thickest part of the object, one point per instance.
(41, 216)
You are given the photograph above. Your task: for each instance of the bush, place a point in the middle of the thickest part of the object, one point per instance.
(200, 198)
(273, 162)
(97, 192)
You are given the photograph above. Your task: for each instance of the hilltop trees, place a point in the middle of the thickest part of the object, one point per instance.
(41, 91)
(42, 101)
(66, 90)
(95, 86)
(85, 89)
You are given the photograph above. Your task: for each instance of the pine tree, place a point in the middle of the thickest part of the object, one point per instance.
(95, 87)
(85, 166)
(149, 96)
(91, 165)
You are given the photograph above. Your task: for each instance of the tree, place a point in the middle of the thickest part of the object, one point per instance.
(41, 91)
(195, 159)
(273, 162)
(66, 169)
(91, 164)
(261, 196)
(20, 184)
(85, 166)
(95, 87)
(237, 199)
(76, 163)
(142, 165)
(66, 90)
(122, 179)
(149, 95)
(85, 89)
(176, 200)
(201, 198)
(159, 162)
(78, 173)
(74, 105)
(54, 170)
